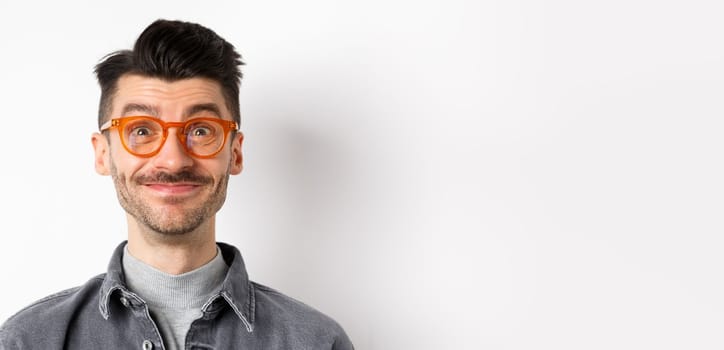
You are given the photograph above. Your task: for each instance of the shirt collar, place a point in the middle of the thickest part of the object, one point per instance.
(235, 290)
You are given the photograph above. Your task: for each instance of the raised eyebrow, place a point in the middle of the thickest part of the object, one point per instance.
(136, 108)
(203, 107)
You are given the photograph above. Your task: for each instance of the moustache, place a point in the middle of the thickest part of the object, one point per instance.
(170, 178)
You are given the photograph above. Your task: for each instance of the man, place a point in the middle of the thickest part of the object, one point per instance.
(169, 139)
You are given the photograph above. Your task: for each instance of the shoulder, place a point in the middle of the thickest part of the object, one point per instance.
(276, 309)
(272, 302)
(48, 316)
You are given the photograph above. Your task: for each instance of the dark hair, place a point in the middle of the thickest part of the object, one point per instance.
(173, 50)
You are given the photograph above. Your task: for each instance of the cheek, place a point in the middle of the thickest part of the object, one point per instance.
(124, 164)
(219, 168)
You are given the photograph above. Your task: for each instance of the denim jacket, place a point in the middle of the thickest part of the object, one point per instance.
(104, 314)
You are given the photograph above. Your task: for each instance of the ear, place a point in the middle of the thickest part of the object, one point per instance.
(102, 153)
(237, 159)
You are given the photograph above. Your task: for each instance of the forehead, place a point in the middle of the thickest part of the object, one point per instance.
(166, 97)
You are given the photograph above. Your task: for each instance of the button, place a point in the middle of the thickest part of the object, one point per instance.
(147, 345)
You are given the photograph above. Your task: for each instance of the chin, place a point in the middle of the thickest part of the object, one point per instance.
(175, 226)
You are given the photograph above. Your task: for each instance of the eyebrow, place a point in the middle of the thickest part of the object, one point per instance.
(135, 108)
(203, 107)
(139, 107)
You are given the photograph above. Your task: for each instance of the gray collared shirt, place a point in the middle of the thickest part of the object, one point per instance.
(104, 314)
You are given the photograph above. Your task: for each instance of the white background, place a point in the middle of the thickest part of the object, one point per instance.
(432, 174)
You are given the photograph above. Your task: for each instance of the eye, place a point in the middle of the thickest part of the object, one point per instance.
(201, 131)
(141, 131)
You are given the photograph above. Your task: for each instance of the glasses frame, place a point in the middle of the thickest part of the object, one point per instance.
(120, 123)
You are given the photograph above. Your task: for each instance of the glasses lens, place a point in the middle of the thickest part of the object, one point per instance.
(142, 135)
(204, 137)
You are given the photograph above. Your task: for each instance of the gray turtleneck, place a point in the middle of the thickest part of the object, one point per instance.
(174, 301)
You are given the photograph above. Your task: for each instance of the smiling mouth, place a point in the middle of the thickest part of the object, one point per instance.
(173, 188)
(184, 183)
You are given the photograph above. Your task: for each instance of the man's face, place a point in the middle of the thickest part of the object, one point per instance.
(171, 192)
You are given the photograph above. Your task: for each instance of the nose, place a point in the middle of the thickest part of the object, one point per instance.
(172, 156)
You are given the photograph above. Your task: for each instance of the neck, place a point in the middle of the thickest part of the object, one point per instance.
(172, 254)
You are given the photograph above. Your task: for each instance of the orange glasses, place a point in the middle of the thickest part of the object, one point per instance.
(144, 136)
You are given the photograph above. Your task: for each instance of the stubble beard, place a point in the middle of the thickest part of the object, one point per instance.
(157, 219)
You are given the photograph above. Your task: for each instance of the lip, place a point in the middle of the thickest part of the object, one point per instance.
(173, 188)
